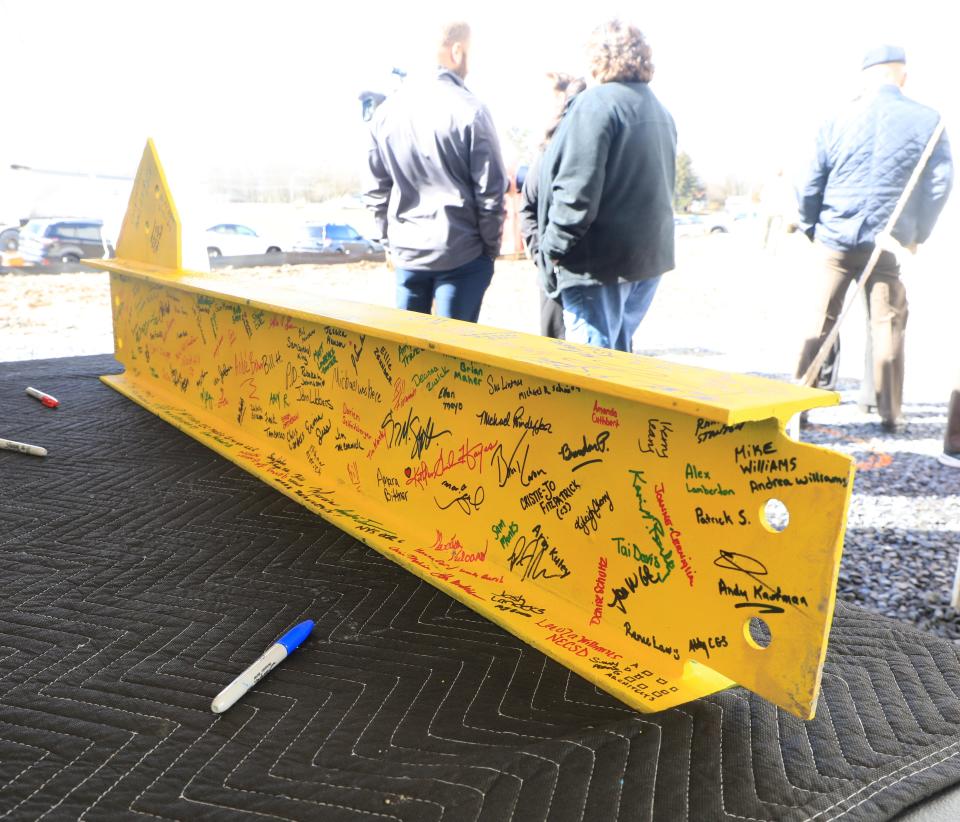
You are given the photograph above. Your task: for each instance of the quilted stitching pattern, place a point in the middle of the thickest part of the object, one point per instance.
(140, 572)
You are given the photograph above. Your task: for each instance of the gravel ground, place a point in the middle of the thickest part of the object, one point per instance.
(729, 305)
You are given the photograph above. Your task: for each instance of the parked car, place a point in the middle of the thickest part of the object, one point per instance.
(234, 240)
(62, 240)
(335, 238)
(694, 225)
(9, 237)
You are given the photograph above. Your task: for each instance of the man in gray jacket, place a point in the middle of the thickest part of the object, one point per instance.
(863, 161)
(436, 187)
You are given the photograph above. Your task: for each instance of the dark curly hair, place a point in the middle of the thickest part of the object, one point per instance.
(618, 52)
(570, 87)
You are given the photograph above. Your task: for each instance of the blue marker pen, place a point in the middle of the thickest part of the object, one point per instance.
(272, 657)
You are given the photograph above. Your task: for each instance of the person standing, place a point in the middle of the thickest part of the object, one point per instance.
(605, 211)
(436, 186)
(864, 158)
(951, 437)
(565, 88)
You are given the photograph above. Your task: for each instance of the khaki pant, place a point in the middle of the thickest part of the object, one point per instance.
(951, 439)
(887, 312)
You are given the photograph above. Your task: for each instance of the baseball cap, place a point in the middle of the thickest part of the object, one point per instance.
(883, 54)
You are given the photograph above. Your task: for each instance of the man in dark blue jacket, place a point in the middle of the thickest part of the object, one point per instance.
(863, 161)
(605, 210)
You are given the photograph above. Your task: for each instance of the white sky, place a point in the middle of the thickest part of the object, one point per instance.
(267, 84)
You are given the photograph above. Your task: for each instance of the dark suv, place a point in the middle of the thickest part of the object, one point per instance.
(43, 242)
(335, 238)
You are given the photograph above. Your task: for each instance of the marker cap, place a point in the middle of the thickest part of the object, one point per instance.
(292, 638)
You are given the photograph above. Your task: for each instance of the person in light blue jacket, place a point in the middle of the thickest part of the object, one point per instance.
(863, 160)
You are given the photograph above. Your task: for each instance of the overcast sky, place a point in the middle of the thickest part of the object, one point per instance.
(261, 84)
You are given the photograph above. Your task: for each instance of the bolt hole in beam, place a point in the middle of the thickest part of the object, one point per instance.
(757, 633)
(775, 515)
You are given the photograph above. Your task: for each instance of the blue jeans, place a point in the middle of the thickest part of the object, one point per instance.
(458, 293)
(606, 316)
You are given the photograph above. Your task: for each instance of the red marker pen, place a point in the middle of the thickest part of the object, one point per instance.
(46, 399)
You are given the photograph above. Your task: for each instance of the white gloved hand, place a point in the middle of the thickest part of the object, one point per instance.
(887, 242)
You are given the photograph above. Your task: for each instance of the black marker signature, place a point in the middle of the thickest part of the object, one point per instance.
(529, 552)
(515, 601)
(598, 446)
(515, 465)
(753, 568)
(466, 503)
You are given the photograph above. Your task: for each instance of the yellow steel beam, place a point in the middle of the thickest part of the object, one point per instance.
(613, 511)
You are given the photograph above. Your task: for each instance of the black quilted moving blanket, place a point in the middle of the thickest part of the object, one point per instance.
(140, 572)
